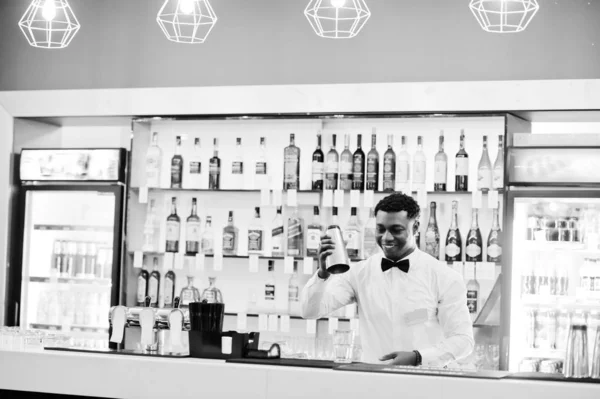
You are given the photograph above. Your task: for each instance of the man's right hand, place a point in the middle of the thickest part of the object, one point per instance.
(325, 249)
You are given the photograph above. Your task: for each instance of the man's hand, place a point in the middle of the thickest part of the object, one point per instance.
(400, 358)
(325, 249)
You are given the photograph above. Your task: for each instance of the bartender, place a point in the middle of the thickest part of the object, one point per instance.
(412, 307)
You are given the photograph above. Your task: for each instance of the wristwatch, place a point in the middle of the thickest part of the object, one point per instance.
(419, 358)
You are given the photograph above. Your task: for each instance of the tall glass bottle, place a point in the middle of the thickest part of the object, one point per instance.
(142, 286)
(358, 166)
(351, 235)
(208, 238)
(153, 163)
(261, 177)
(237, 166)
(173, 228)
(373, 164)
(169, 295)
(370, 239)
(494, 242)
(346, 166)
(189, 293)
(389, 166)
(419, 165)
(151, 228)
(154, 284)
(461, 180)
(473, 296)
(403, 165)
(194, 172)
(318, 162)
(294, 293)
(291, 166)
(332, 166)
(295, 235)
(212, 294)
(440, 167)
(256, 234)
(177, 165)
(214, 177)
(432, 234)
(270, 288)
(454, 239)
(277, 241)
(230, 237)
(474, 248)
(484, 170)
(498, 173)
(313, 234)
(192, 229)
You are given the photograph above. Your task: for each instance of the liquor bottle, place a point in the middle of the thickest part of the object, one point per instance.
(169, 294)
(270, 289)
(318, 160)
(291, 166)
(192, 231)
(346, 166)
(440, 167)
(177, 165)
(208, 238)
(484, 170)
(373, 164)
(419, 165)
(473, 296)
(494, 242)
(332, 167)
(454, 239)
(358, 166)
(432, 234)
(153, 162)
(370, 241)
(461, 182)
(230, 237)
(277, 242)
(293, 293)
(295, 235)
(256, 234)
(474, 248)
(261, 178)
(351, 235)
(173, 228)
(334, 217)
(189, 294)
(194, 175)
(142, 286)
(403, 166)
(313, 234)
(498, 173)
(212, 294)
(389, 166)
(214, 177)
(237, 166)
(151, 228)
(154, 284)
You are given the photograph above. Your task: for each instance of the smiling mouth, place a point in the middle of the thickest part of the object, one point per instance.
(388, 245)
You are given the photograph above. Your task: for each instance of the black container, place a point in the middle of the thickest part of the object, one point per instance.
(208, 344)
(206, 317)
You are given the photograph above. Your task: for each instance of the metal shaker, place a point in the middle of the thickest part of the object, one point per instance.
(338, 262)
(576, 362)
(596, 358)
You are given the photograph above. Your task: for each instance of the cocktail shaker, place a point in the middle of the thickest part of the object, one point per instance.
(596, 358)
(576, 362)
(338, 262)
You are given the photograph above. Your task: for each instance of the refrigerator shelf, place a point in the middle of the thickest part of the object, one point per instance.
(580, 248)
(71, 280)
(556, 301)
(71, 227)
(73, 328)
(235, 256)
(544, 353)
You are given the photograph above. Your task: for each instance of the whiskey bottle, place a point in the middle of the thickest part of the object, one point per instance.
(403, 166)
(270, 289)
(498, 173)
(214, 178)
(194, 175)
(192, 231)
(154, 284)
(370, 239)
(318, 160)
(189, 293)
(313, 234)
(419, 165)
(474, 248)
(440, 167)
(294, 293)
(169, 294)
(208, 238)
(373, 164)
(173, 228)
(389, 166)
(277, 242)
(332, 167)
(454, 239)
(351, 235)
(358, 166)
(346, 166)
(432, 234)
(142, 286)
(484, 170)
(212, 294)
(177, 165)
(230, 237)
(291, 166)
(295, 235)
(256, 234)
(462, 166)
(153, 163)
(237, 166)
(494, 242)
(261, 178)
(473, 296)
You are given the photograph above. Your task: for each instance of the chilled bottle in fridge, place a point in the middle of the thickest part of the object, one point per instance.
(351, 235)
(177, 165)
(346, 166)
(256, 234)
(261, 178)
(454, 239)
(370, 241)
(313, 234)
(192, 236)
(154, 284)
(461, 180)
(494, 242)
(214, 173)
(332, 166)
(484, 170)
(277, 241)
(440, 175)
(173, 228)
(389, 166)
(142, 286)
(153, 163)
(295, 235)
(498, 172)
(237, 166)
(194, 175)
(474, 248)
(373, 164)
(270, 296)
(189, 293)
(419, 166)
(230, 237)
(169, 294)
(318, 160)
(403, 166)
(208, 238)
(473, 290)
(432, 234)
(291, 166)
(358, 166)
(294, 293)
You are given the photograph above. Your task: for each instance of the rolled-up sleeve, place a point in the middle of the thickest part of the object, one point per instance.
(322, 297)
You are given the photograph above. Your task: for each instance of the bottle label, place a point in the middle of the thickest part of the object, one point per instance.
(168, 292)
(440, 172)
(472, 301)
(498, 177)
(187, 296)
(269, 292)
(419, 172)
(290, 168)
(452, 250)
(332, 166)
(293, 293)
(432, 245)
(494, 251)
(176, 171)
(172, 231)
(153, 289)
(371, 166)
(462, 166)
(277, 239)
(207, 246)
(357, 170)
(352, 239)
(255, 240)
(346, 167)
(294, 237)
(237, 168)
(152, 171)
(141, 291)
(389, 171)
(214, 168)
(192, 231)
(195, 168)
(317, 170)
(403, 172)
(313, 241)
(473, 250)
(484, 177)
(261, 168)
(228, 241)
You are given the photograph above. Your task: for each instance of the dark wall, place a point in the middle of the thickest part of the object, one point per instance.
(258, 42)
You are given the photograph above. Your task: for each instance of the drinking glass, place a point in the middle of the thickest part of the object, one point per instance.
(343, 341)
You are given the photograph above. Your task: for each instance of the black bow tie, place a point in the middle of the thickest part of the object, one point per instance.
(387, 264)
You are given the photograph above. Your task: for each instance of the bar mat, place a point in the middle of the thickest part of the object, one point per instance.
(384, 368)
(550, 377)
(119, 352)
(323, 364)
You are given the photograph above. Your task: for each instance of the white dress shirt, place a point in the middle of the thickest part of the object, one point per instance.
(424, 309)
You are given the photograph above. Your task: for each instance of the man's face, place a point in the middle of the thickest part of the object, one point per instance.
(395, 233)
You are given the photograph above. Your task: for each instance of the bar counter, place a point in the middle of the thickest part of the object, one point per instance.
(119, 376)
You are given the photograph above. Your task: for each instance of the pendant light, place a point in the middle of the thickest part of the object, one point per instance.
(337, 19)
(504, 16)
(186, 21)
(49, 24)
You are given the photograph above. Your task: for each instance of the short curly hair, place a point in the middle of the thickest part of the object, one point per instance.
(399, 202)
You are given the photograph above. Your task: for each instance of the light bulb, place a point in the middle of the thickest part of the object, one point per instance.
(186, 6)
(338, 3)
(49, 10)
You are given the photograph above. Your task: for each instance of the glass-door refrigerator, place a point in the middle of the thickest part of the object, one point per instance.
(553, 275)
(72, 215)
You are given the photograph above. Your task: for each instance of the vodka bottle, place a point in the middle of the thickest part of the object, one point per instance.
(358, 166)
(153, 163)
(154, 284)
(351, 235)
(373, 164)
(261, 178)
(494, 242)
(403, 166)
(150, 229)
(313, 234)
(212, 294)
(332, 166)
(277, 242)
(295, 235)
(474, 248)
(169, 295)
(318, 160)
(214, 177)
(484, 171)
(230, 237)
(498, 173)
(389, 166)
(419, 165)
(346, 166)
(256, 234)
(237, 167)
(189, 293)
(432, 234)
(192, 231)
(142, 286)
(177, 165)
(208, 238)
(440, 167)
(194, 169)
(294, 293)
(461, 182)
(473, 296)
(173, 228)
(291, 166)
(370, 241)
(270, 296)
(454, 239)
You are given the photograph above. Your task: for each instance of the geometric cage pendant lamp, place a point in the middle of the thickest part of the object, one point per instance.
(504, 16)
(49, 24)
(186, 21)
(337, 19)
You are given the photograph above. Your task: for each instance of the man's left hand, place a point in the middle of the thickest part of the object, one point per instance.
(400, 358)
